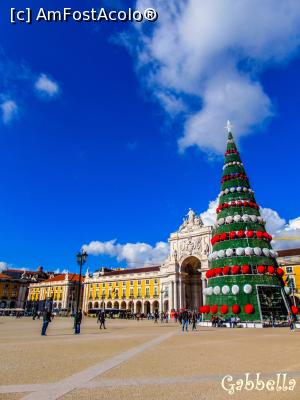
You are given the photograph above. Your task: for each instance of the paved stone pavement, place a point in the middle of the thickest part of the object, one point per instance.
(140, 360)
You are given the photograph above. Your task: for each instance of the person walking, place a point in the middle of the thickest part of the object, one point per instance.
(291, 321)
(156, 317)
(46, 320)
(194, 321)
(101, 320)
(77, 322)
(185, 321)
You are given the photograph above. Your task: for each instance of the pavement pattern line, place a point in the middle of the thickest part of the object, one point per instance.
(55, 391)
(107, 383)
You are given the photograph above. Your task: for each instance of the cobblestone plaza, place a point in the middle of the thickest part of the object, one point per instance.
(140, 360)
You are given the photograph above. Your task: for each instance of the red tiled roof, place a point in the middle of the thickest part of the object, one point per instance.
(133, 270)
(62, 277)
(289, 252)
(3, 276)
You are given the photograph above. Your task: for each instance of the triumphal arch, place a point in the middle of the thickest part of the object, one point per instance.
(182, 275)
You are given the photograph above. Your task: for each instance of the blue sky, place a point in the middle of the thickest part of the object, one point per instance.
(91, 142)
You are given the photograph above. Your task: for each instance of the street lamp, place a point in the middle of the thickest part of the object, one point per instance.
(81, 259)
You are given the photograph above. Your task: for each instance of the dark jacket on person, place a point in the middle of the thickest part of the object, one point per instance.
(46, 316)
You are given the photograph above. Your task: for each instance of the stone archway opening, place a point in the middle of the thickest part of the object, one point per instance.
(155, 306)
(147, 308)
(138, 307)
(123, 305)
(116, 305)
(191, 283)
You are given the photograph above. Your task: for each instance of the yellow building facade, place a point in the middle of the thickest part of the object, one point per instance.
(289, 261)
(61, 289)
(136, 290)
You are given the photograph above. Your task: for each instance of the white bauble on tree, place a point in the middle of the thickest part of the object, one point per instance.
(217, 290)
(239, 189)
(253, 218)
(221, 253)
(225, 289)
(221, 221)
(232, 189)
(257, 251)
(266, 252)
(235, 289)
(209, 291)
(245, 189)
(248, 251)
(228, 219)
(247, 288)
(245, 217)
(237, 218)
(226, 191)
(239, 251)
(229, 252)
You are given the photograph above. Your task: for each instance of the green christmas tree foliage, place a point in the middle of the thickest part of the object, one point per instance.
(242, 258)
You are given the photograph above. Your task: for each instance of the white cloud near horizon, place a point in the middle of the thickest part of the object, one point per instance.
(9, 111)
(47, 86)
(135, 254)
(3, 266)
(213, 52)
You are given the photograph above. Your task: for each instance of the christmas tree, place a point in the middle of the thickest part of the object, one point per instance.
(244, 278)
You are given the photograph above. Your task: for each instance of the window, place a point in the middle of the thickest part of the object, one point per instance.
(156, 291)
(110, 283)
(131, 283)
(156, 281)
(147, 292)
(124, 293)
(131, 292)
(139, 282)
(289, 270)
(139, 292)
(147, 281)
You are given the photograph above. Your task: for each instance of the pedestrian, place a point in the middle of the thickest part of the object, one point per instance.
(46, 320)
(101, 320)
(291, 321)
(77, 322)
(156, 317)
(185, 321)
(194, 321)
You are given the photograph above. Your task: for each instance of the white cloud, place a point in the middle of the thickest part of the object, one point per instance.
(9, 110)
(135, 254)
(213, 52)
(47, 86)
(3, 266)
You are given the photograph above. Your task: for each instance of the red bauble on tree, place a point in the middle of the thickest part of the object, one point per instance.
(232, 235)
(245, 269)
(261, 269)
(280, 271)
(295, 309)
(241, 234)
(214, 309)
(250, 234)
(235, 269)
(224, 309)
(236, 309)
(226, 270)
(208, 274)
(249, 309)
(271, 269)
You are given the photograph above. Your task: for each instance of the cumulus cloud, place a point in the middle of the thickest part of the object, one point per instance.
(135, 254)
(47, 86)
(213, 52)
(277, 226)
(3, 266)
(9, 110)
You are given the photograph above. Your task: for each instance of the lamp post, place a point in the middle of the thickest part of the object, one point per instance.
(81, 259)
